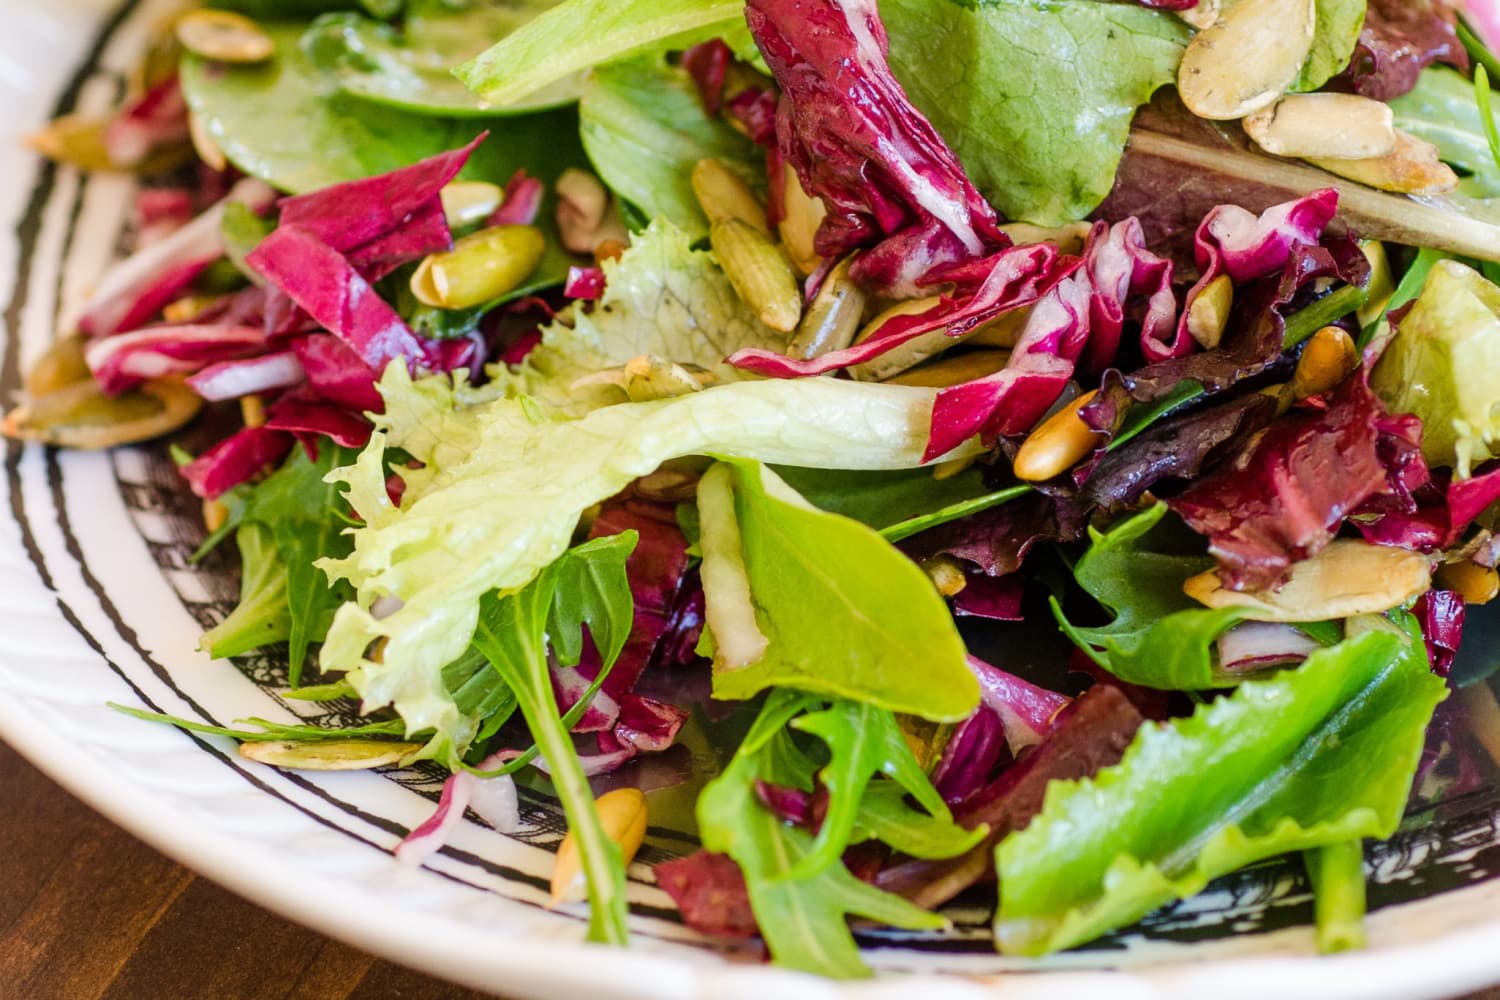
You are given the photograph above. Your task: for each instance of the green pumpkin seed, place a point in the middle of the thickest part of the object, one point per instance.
(81, 416)
(329, 755)
(480, 267)
(225, 36)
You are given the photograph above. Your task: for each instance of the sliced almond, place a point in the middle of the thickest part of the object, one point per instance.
(1335, 126)
(1347, 578)
(1413, 167)
(1247, 59)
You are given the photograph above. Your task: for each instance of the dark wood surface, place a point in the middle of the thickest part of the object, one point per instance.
(87, 912)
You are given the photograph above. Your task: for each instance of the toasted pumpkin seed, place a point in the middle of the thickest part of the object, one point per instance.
(61, 364)
(953, 369)
(1347, 578)
(1328, 358)
(723, 194)
(76, 139)
(1249, 57)
(81, 416)
(759, 272)
(1413, 167)
(622, 813)
(647, 377)
(832, 318)
(225, 36)
(908, 355)
(1003, 331)
(801, 215)
(1209, 312)
(1057, 444)
(1338, 126)
(328, 755)
(468, 202)
(482, 266)
(1474, 583)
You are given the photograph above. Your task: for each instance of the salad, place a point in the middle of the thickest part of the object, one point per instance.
(572, 375)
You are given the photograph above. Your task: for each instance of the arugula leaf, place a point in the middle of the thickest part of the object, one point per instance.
(802, 917)
(411, 68)
(582, 34)
(661, 299)
(1337, 873)
(844, 613)
(585, 587)
(287, 122)
(1335, 32)
(261, 617)
(1314, 756)
(1159, 637)
(644, 127)
(885, 816)
(1035, 97)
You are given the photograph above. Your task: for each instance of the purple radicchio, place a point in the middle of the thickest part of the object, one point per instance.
(889, 182)
(241, 456)
(1400, 38)
(1285, 499)
(1441, 613)
(493, 799)
(710, 892)
(125, 360)
(1077, 321)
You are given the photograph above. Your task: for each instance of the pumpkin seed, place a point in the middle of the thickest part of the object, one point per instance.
(723, 194)
(1209, 312)
(1347, 578)
(1413, 167)
(759, 272)
(953, 369)
(328, 755)
(832, 318)
(622, 813)
(1247, 59)
(801, 215)
(81, 416)
(224, 36)
(482, 266)
(61, 364)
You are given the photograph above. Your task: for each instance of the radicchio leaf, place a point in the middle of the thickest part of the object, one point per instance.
(709, 889)
(889, 181)
(1441, 613)
(1399, 39)
(236, 459)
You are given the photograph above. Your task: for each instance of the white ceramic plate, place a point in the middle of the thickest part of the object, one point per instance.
(99, 605)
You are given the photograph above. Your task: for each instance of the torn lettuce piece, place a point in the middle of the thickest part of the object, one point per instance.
(662, 299)
(1441, 366)
(1335, 32)
(1315, 756)
(842, 612)
(494, 516)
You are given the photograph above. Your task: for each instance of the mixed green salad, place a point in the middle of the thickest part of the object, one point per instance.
(1046, 449)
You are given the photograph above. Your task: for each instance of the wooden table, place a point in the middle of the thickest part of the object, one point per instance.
(87, 912)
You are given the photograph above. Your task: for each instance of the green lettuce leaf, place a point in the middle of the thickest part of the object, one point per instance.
(1441, 364)
(491, 512)
(644, 127)
(261, 617)
(1036, 98)
(411, 67)
(581, 34)
(1159, 637)
(586, 587)
(288, 122)
(662, 299)
(844, 612)
(1318, 755)
(802, 915)
(1335, 32)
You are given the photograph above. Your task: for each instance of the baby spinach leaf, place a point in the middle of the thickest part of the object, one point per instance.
(1036, 98)
(1335, 31)
(411, 66)
(844, 612)
(803, 919)
(584, 587)
(644, 127)
(1159, 637)
(1314, 756)
(288, 122)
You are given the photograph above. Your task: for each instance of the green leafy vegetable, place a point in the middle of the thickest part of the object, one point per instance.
(583, 34)
(662, 299)
(1486, 116)
(501, 490)
(1159, 637)
(288, 122)
(283, 595)
(1337, 872)
(885, 816)
(1443, 110)
(844, 613)
(1035, 98)
(1318, 755)
(411, 67)
(644, 127)
(585, 587)
(242, 230)
(1440, 366)
(900, 504)
(802, 917)
(266, 731)
(1335, 32)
